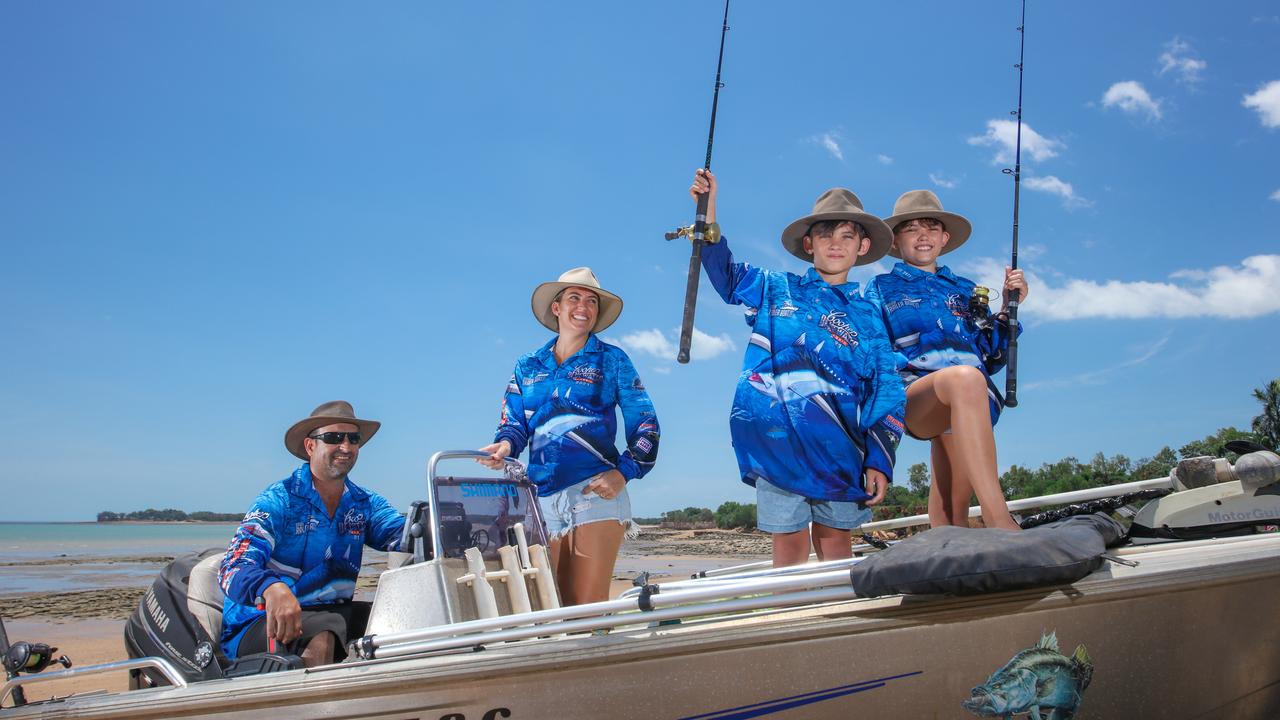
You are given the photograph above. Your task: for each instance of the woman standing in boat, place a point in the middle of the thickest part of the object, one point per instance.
(952, 349)
(560, 402)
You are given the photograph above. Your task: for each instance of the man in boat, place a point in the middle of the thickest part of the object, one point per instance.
(290, 572)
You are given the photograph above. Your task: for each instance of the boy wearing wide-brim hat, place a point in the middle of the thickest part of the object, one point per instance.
(561, 403)
(951, 350)
(816, 414)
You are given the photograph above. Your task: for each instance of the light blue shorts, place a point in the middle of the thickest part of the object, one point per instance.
(782, 511)
(569, 508)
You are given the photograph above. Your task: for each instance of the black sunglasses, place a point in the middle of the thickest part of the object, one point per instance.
(335, 438)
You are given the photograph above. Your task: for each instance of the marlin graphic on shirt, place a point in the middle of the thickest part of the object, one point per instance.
(799, 376)
(563, 420)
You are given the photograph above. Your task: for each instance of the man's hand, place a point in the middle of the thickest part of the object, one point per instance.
(498, 453)
(704, 181)
(607, 485)
(877, 484)
(284, 614)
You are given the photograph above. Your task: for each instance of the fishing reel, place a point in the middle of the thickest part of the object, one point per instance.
(710, 235)
(25, 657)
(980, 307)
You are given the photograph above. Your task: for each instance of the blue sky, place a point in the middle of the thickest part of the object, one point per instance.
(216, 216)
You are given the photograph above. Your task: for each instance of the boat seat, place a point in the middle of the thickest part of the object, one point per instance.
(204, 597)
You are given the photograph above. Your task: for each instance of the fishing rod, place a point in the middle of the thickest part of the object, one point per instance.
(697, 231)
(1011, 370)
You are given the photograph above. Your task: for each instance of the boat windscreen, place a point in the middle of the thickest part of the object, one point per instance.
(480, 513)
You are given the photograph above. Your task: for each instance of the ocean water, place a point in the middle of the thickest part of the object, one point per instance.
(60, 557)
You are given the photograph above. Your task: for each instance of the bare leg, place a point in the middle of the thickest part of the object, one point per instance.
(562, 567)
(791, 548)
(831, 543)
(956, 398)
(959, 488)
(320, 650)
(594, 549)
(939, 486)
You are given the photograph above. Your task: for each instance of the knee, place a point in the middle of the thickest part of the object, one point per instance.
(963, 384)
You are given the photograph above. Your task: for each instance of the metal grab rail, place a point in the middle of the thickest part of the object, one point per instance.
(748, 572)
(610, 613)
(165, 667)
(433, 510)
(807, 597)
(1065, 498)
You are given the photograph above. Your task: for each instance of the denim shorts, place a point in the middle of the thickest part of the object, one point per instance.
(569, 508)
(782, 511)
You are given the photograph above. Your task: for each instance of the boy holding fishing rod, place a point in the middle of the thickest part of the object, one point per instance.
(816, 416)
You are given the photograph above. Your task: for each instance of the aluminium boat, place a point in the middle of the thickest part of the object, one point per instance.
(1169, 621)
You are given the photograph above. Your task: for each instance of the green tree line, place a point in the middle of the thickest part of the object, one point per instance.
(168, 515)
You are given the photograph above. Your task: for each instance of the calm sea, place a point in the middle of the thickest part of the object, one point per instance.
(51, 557)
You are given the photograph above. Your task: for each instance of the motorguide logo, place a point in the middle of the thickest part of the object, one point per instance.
(1255, 514)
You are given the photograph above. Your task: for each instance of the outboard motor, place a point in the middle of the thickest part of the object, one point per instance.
(1214, 499)
(179, 619)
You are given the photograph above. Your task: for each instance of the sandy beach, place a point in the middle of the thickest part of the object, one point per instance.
(88, 625)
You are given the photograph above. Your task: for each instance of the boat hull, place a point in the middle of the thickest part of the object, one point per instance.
(1186, 634)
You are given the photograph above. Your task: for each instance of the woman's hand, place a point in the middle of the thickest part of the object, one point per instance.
(704, 181)
(877, 484)
(498, 453)
(607, 485)
(1013, 280)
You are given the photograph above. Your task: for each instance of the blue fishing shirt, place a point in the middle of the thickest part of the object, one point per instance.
(819, 398)
(287, 536)
(927, 315)
(565, 415)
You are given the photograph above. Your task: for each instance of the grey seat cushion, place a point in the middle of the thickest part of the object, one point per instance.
(965, 561)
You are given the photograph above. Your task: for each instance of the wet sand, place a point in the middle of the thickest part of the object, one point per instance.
(88, 625)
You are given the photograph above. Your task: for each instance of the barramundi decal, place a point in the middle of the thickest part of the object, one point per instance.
(1039, 682)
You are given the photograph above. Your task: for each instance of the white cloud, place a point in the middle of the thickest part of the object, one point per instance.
(1267, 102)
(1054, 186)
(884, 159)
(1276, 196)
(942, 181)
(1003, 135)
(1132, 98)
(1244, 291)
(829, 141)
(1179, 58)
(654, 342)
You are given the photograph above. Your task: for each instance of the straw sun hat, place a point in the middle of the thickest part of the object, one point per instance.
(610, 304)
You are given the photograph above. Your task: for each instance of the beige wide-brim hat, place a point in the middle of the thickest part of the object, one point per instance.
(839, 204)
(610, 304)
(916, 204)
(330, 413)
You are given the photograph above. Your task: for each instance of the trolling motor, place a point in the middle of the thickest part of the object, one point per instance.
(25, 657)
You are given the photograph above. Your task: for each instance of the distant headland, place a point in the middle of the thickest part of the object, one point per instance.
(168, 515)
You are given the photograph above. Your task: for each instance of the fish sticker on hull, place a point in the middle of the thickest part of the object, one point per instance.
(1039, 682)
